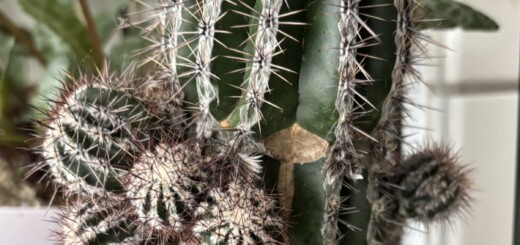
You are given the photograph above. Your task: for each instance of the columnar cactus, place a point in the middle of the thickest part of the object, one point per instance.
(185, 149)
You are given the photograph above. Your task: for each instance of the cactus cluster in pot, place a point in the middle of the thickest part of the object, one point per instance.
(255, 122)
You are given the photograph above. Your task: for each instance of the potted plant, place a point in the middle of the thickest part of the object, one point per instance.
(236, 122)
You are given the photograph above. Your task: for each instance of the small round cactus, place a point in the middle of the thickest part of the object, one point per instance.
(163, 186)
(241, 213)
(86, 222)
(93, 134)
(431, 185)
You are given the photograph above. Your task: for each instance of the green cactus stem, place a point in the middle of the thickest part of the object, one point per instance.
(161, 87)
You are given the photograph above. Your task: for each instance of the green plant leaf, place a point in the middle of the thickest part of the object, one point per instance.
(445, 14)
(106, 22)
(48, 43)
(124, 51)
(49, 83)
(56, 52)
(60, 17)
(6, 47)
(13, 96)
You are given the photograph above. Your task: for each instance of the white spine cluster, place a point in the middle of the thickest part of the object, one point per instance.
(239, 215)
(163, 88)
(409, 48)
(344, 159)
(264, 46)
(387, 155)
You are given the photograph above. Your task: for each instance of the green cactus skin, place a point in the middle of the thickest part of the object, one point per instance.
(163, 187)
(95, 222)
(240, 213)
(92, 137)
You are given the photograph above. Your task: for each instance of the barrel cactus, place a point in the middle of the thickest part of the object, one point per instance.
(258, 122)
(93, 133)
(163, 187)
(99, 222)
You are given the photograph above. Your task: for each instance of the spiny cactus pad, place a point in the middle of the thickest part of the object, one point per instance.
(241, 213)
(163, 187)
(85, 222)
(92, 137)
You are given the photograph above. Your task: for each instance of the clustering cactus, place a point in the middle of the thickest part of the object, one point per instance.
(184, 154)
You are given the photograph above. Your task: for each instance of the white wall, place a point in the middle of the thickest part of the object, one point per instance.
(480, 123)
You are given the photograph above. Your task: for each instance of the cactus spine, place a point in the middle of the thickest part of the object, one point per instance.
(430, 186)
(200, 179)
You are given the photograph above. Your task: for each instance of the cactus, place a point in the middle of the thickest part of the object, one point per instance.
(100, 222)
(430, 185)
(93, 133)
(163, 187)
(239, 214)
(242, 98)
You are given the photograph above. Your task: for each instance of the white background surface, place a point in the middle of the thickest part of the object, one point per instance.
(26, 226)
